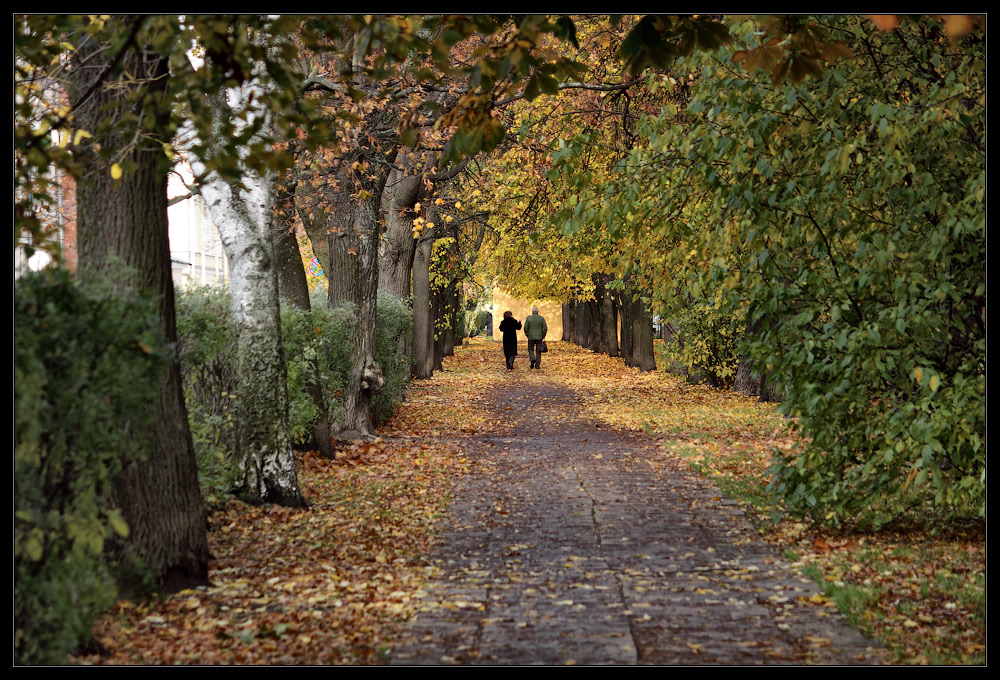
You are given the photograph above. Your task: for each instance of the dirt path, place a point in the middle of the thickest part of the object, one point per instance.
(567, 546)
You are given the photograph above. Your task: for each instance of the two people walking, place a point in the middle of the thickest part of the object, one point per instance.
(535, 330)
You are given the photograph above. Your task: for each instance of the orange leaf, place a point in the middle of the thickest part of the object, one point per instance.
(884, 22)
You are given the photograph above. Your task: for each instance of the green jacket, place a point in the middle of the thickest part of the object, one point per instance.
(535, 327)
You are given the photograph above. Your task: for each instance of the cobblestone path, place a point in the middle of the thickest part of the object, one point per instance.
(569, 547)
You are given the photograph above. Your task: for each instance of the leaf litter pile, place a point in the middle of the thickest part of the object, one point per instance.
(336, 583)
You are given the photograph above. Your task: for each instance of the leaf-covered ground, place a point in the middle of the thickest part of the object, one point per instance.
(337, 583)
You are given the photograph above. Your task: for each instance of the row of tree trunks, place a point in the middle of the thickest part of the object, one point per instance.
(123, 223)
(594, 324)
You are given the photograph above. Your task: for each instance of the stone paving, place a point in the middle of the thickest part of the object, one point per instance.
(569, 547)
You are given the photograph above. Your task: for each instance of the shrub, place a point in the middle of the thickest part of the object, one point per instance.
(704, 347)
(206, 346)
(393, 333)
(86, 368)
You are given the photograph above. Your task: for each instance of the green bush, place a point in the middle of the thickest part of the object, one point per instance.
(705, 346)
(858, 217)
(323, 335)
(206, 343)
(86, 368)
(393, 333)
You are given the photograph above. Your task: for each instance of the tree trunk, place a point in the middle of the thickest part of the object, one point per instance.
(292, 285)
(597, 327)
(398, 246)
(627, 346)
(568, 321)
(354, 273)
(294, 290)
(642, 336)
(752, 381)
(582, 326)
(423, 321)
(124, 223)
(243, 214)
(609, 323)
(437, 314)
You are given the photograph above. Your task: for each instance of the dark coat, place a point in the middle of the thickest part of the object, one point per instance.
(509, 328)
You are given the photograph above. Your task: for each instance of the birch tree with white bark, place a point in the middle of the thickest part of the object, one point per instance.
(241, 208)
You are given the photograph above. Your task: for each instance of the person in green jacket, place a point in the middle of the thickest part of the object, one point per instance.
(535, 329)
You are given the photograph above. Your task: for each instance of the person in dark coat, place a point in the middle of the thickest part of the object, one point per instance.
(509, 327)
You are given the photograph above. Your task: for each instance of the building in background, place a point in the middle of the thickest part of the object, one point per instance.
(197, 257)
(59, 219)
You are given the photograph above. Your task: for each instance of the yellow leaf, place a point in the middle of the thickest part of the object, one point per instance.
(917, 373)
(169, 151)
(118, 524)
(116, 171)
(34, 548)
(80, 134)
(934, 383)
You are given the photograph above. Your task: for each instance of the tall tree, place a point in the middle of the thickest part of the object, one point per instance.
(118, 93)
